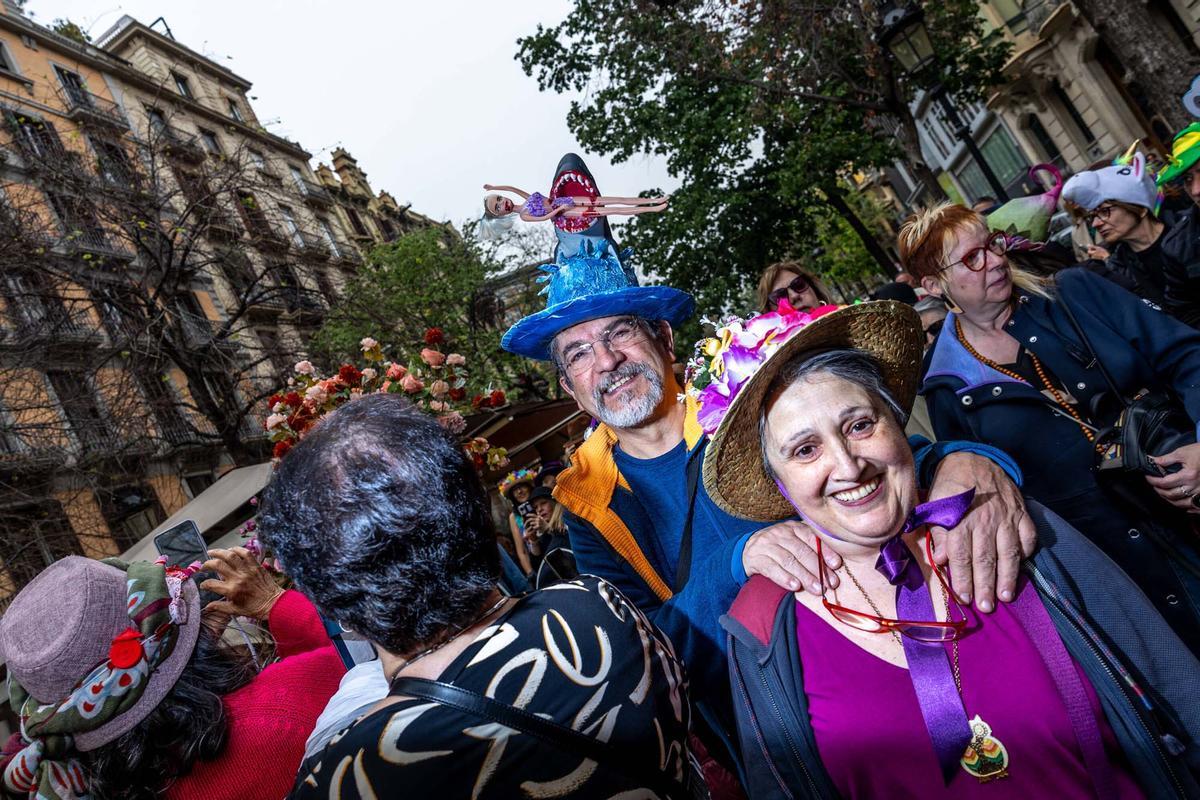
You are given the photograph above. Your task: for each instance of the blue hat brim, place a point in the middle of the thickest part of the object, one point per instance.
(532, 336)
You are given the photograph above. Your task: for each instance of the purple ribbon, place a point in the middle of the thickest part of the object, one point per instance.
(928, 667)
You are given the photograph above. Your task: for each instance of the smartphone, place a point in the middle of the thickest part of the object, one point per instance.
(183, 545)
(352, 648)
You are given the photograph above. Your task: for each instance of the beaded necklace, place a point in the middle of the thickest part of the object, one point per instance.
(1041, 373)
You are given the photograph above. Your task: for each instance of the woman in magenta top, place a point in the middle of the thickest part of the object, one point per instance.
(884, 686)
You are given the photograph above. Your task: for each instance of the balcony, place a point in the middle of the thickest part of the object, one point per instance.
(315, 194)
(179, 144)
(201, 333)
(314, 248)
(349, 256)
(91, 243)
(84, 107)
(303, 305)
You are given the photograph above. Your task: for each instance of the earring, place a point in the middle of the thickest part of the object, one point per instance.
(949, 301)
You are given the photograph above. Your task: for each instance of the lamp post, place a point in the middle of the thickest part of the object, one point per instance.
(903, 34)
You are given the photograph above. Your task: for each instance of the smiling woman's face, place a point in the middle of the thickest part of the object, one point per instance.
(842, 457)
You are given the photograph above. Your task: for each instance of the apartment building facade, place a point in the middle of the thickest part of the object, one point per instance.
(163, 258)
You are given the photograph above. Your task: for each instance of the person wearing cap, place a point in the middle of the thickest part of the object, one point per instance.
(886, 686)
(1122, 204)
(1181, 245)
(635, 512)
(547, 474)
(124, 687)
(1010, 369)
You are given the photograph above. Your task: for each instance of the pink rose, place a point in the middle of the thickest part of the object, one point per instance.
(439, 389)
(396, 371)
(453, 422)
(432, 357)
(438, 406)
(317, 394)
(275, 420)
(456, 360)
(411, 385)
(368, 344)
(369, 374)
(304, 367)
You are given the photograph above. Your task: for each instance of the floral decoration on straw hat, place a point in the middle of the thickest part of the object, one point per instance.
(732, 372)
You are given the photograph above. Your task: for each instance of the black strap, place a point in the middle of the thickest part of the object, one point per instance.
(683, 567)
(1062, 302)
(545, 730)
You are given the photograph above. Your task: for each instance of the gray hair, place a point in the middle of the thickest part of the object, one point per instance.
(931, 303)
(854, 366)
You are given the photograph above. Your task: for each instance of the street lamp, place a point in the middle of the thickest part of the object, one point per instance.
(903, 35)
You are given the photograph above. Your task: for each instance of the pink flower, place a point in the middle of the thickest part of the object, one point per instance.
(396, 371)
(275, 420)
(369, 374)
(368, 344)
(713, 407)
(453, 422)
(317, 394)
(456, 360)
(356, 393)
(438, 405)
(304, 367)
(432, 357)
(439, 389)
(411, 385)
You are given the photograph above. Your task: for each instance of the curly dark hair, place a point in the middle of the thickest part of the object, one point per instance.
(189, 725)
(378, 516)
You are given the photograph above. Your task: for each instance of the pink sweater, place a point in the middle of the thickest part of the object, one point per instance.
(271, 717)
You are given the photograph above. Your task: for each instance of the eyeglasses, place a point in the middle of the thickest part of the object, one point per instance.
(931, 631)
(799, 285)
(579, 357)
(975, 259)
(1101, 213)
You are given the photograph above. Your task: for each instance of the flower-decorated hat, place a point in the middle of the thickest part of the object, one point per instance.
(1185, 152)
(731, 378)
(586, 286)
(515, 478)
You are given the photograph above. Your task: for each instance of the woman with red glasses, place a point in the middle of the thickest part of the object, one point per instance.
(885, 686)
(1042, 368)
(787, 280)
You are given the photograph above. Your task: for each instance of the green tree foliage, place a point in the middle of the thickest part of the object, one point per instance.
(758, 106)
(71, 30)
(432, 279)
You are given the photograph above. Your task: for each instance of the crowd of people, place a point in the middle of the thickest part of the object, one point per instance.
(940, 543)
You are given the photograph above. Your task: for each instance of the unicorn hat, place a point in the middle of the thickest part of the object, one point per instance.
(589, 285)
(1126, 181)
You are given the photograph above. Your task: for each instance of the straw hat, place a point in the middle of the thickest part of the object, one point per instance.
(734, 475)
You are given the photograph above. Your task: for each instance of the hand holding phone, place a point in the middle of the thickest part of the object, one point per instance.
(246, 589)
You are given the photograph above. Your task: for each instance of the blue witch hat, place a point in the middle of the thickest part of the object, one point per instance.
(588, 285)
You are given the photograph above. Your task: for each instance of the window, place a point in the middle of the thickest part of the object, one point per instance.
(112, 162)
(1050, 150)
(77, 94)
(281, 365)
(181, 85)
(210, 141)
(157, 389)
(297, 178)
(37, 138)
(131, 513)
(77, 215)
(1064, 100)
(121, 311)
(257, 159)
(235, 113)
(325, 284)
(289, 220)
(81, 407)
(327, 235)
(32, 538)
(1003, 156)
(37, 306)
(196, 484)
(356, 223)
(252, 213)
(158, 122)
(933, 133)
(6, 61)
(238, 271)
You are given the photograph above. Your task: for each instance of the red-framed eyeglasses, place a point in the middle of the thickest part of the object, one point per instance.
(921, 631)
(975, 259)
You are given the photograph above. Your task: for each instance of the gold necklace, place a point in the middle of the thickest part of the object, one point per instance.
(870, 602)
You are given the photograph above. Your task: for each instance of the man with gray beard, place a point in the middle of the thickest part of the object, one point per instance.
(636, 512)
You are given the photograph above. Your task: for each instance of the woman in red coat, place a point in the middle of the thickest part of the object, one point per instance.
(148, 700)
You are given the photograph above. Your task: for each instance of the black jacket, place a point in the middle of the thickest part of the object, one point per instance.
(1181, 249)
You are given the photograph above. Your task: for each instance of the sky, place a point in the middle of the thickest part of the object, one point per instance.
(426, 95)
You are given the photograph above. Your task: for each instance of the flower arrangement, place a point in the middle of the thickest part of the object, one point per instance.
(725, 361)
(437, 384)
